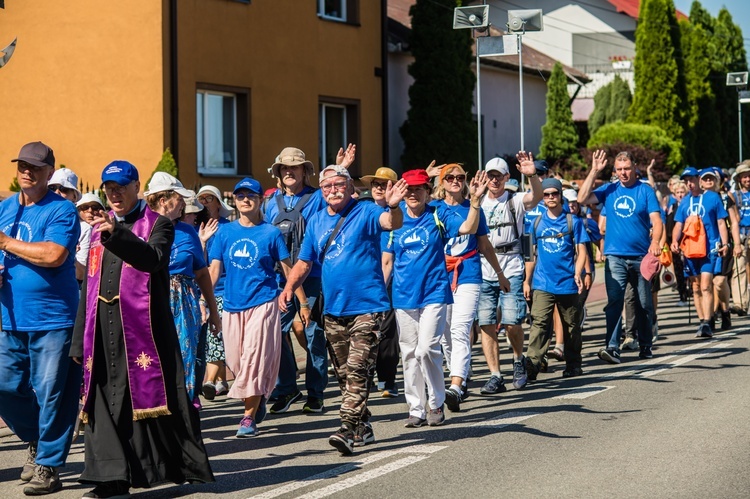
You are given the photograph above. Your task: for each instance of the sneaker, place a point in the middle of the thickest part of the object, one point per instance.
(343, 440)
(646, 353)
(110, 490)
(453, 400)
(519, 374)
(284, 402)
(414, 422)
(630, 344)
(27, 473)
(435, 417)
(209, 390)
(222, 388)
(45, 481)
(681, 303)
(390, 391)
(248, 428)
(363, 435)
(726, 321)
(611, 355)
(704, 331)
(572, 372)
(262, 411)
(313, 405)
(493, 386)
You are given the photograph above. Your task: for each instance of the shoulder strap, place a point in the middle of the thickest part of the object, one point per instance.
(336, 229)
(296, 208)
(512, 209)
(536, 224)
(438, 223)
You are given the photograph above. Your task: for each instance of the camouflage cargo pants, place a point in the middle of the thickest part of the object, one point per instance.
(354, 352)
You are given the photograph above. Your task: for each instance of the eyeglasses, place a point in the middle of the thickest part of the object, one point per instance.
(551, 194)
(242, 197)
(115, 188)
(379, 185)
(60, 189)
(451, 178)
(492, 176)
(337, 185)
(90, 207)
(206, 199)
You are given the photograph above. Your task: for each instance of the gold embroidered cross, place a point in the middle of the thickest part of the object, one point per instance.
(143, 361)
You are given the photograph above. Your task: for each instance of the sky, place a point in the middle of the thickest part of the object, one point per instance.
(740, 10)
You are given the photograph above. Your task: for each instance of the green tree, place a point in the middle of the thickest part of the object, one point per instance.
(14, 187)
(620, 100)
(659, 83)
(166, 164)
(602, 99)
(559, 134)
(439, 123)
(623, 136)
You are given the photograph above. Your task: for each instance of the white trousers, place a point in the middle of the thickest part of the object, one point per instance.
(419, 332)
(457, 338)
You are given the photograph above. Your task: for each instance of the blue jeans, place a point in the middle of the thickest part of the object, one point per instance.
(617, 272)
(39, 390)
(316, 371)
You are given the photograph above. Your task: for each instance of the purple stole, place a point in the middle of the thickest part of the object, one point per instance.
(145, 377)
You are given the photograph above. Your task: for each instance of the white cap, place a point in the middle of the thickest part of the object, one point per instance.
(497, 165)
(163, 181)
(570, 195)
(338, 171)
(224, 209)
(89, 198)
(66, 178)
(192, 205)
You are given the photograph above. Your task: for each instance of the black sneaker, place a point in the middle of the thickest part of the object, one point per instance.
(262, 411)
(343, 440)
(572, 372)
(45, 481)
(313, 405)
(435, 417)
(27, 473)
(453, 400)
(363, 435)
(209, 390)
(726, 321)
(494, 385)
(110, 490)
(611, 355)
(531, 370)
(646, 353)
(285, 402)
(704, 330)
(519, 374)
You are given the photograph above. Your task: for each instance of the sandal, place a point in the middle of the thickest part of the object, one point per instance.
(556, 354)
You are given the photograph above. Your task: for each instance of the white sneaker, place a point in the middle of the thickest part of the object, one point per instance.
(222, 388)
(681, 303)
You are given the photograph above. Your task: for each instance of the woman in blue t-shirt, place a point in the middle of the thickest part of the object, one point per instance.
(248, 250)
(187, 273)
(422, 291)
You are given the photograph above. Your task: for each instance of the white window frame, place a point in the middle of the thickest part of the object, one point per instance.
(322, 10)
(204, 170)
(324, 131)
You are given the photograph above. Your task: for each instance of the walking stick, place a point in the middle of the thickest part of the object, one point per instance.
(739, 282)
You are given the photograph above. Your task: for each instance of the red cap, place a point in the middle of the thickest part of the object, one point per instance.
(416, 177)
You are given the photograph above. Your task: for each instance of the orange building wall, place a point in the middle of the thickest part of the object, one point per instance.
(288, 57)
(86, 78)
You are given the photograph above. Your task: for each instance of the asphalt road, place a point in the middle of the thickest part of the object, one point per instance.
(673, 426)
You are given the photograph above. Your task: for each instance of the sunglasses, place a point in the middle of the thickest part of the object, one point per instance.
(551, 194)
(90, 207)
(379, 185)
(60, 189)
(206, 199)
(242, 197)
(451, 178)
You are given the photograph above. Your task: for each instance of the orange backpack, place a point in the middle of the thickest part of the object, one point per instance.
(694, 241)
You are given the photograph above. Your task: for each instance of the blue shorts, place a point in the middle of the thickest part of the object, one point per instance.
(512, 305)
(710, 264)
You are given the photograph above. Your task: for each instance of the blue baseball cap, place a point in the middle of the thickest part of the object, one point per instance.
(710, 171)
(250, 184)
(689, 172)
(541, 166)
(120, 172)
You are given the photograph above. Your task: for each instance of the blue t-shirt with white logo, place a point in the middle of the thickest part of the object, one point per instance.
(628, 217)
(187, 253)
(743, 205)
(530, 216)
(556, 256)
(38, 298)
(709, 207)
(353, 281)
(249, 256)
(470, 270)
(419, 275)
(315, 203)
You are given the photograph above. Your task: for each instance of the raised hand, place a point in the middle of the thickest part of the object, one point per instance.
(104, 223)
(650, 168)
(526, 163)
(478, 185)
(208, 229)
(394, 193)
(599, 160)
(345, 158)
(432, 170)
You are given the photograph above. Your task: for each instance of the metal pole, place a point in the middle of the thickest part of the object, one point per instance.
(739, 113)
(479, 110)
(520, 85)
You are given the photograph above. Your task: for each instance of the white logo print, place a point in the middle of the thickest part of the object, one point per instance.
(243, 253)
(697, 209)
(22, 232)
(624, 206)
(457, 246)
(414, 241)
(337, 245)
(550, 243)
(173, 255)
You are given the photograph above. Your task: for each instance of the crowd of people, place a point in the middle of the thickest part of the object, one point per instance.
(119, 312)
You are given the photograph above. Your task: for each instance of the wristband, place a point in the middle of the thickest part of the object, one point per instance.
(304, 305)
(394, 207)
(531, 176)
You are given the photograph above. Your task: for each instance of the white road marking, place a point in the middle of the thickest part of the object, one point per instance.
(507, 419)
(630, 369)
(684, 360)
(583, 392)
(348, 468)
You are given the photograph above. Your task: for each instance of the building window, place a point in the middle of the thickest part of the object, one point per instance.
(346, 11)
(222, 129)
(339, 126)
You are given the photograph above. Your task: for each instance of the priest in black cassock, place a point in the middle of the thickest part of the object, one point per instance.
(141, 428)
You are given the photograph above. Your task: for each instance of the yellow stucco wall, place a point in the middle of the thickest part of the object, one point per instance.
(86, 78)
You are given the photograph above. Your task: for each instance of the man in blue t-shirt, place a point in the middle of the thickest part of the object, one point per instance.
(345, 240)
(634, 228)
(740, 292)
(39, 382)
(561, 255)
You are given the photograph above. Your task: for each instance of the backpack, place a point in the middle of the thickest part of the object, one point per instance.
(291, 223)
(568, 218)
(693, 244)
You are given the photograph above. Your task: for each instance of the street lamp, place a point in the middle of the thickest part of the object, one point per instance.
(739, 80)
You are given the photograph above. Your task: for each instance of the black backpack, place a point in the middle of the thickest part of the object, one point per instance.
(291, 223)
